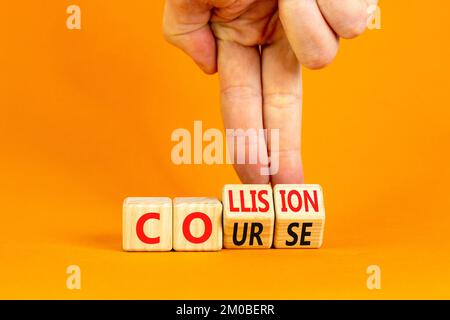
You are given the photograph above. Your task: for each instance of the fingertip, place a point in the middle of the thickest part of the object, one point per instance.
(319, 59)
(208, 68)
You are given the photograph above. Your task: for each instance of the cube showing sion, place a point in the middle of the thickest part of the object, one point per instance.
(248, 216)
(299, 216)
(147, 224)
(197, 224)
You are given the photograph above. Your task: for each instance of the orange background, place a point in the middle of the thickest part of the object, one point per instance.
(86, 119)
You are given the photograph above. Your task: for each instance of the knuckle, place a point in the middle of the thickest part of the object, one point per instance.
(282, 100)
(240, 92)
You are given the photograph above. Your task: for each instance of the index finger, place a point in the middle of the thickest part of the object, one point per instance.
(282, 105)
(240, 82)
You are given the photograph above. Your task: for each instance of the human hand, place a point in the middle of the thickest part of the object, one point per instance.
(258, 46)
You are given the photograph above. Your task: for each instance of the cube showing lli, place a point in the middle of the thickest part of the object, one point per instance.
(248, 216)
(147, 224)
(299, 216)
(197, 224)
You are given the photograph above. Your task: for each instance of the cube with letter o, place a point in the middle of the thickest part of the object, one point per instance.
(197, 224)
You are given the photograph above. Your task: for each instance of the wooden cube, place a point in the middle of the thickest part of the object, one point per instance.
(147, 224)
(197, 224)
(248, 216)
(299, 216)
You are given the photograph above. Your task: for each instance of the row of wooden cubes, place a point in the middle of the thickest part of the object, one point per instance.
(252, 216)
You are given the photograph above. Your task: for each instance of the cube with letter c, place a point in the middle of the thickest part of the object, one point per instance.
(147, 224)
(248, 216)
(197, 224)
(300, 216)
